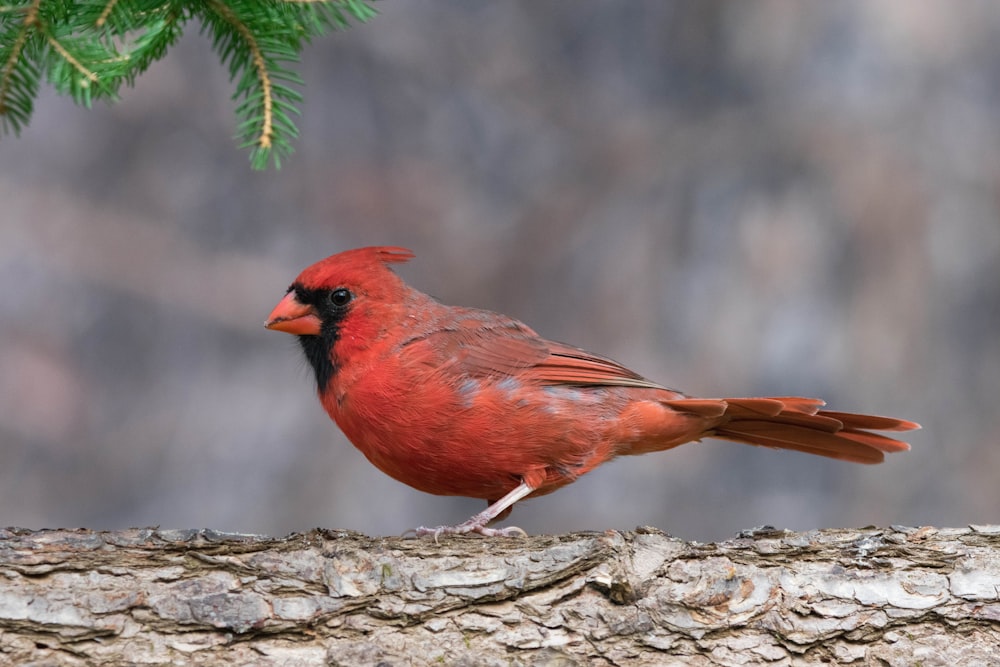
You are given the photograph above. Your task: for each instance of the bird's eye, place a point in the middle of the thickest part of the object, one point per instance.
(340, 297)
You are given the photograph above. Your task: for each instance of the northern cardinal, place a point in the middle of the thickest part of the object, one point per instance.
(466, 402)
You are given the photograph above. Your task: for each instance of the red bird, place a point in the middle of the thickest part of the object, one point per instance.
(466, 402)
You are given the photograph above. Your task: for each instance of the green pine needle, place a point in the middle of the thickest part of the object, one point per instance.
(88, 49)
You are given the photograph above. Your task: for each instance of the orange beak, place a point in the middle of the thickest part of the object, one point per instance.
(294, 317)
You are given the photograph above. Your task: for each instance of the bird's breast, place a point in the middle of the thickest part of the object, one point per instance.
(474, 436)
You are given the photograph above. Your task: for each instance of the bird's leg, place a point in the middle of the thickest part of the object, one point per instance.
(478, 523)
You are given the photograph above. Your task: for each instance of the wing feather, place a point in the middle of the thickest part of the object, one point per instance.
(483, 344)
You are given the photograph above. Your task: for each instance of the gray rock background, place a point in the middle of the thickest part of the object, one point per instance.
(731, 198)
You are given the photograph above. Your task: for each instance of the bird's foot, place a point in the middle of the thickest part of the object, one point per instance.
(480, 523)
(473, 525)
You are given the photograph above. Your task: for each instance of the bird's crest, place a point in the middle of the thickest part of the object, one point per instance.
(357, 261)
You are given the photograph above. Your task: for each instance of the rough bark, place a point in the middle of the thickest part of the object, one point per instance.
(896, 596)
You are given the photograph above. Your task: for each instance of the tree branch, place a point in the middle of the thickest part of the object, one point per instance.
(873, 596)
(90, 49)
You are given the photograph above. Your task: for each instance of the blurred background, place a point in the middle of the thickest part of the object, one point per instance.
(731, 198)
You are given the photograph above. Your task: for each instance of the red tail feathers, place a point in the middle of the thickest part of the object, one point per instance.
(798, 424)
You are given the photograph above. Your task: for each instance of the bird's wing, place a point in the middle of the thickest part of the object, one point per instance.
(497, 346)
(566, 364)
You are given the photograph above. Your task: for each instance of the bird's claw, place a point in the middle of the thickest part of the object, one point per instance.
(465, 529)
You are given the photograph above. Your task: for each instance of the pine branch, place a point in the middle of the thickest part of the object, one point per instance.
(257, 62)
(19, 77)
(89, 48)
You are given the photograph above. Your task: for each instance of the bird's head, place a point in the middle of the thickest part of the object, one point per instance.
(341, 303)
